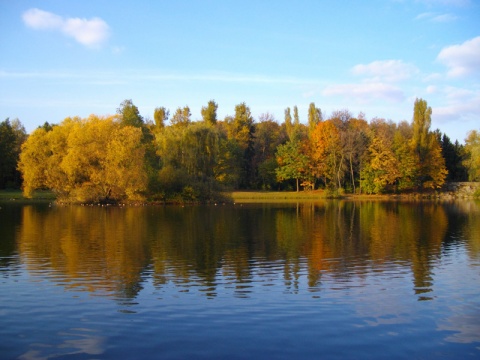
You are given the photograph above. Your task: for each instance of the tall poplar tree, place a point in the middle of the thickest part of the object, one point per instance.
(288, 123)
(209, 113)
(431, 171)
(244, 129)
(160, 115)
(296, 118)
(314, 117)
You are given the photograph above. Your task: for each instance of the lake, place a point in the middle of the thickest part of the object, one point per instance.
(310, 280)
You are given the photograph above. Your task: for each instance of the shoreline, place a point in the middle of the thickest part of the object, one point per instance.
(450, 193)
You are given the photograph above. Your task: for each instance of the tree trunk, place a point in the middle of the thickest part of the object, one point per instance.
(351, 173)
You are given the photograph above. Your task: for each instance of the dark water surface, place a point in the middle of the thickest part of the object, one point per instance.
(311, 280)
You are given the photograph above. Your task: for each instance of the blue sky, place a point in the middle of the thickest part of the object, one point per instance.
(69, 58)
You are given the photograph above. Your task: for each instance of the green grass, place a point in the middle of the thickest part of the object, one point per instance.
(274, 196)
(17, 195)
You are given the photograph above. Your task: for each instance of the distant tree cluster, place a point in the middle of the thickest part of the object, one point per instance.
(12, 136)
(174, 158)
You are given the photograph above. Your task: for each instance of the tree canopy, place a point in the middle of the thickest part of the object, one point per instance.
(123, 157)
(93, 159)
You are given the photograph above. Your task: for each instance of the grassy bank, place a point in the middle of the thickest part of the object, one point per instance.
(252, 196)
(275, 196)
(17, 195)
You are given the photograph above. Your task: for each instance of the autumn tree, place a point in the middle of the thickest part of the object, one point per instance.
(160, 116)
(189, 154)
(268, 136)
(326, 154)
(354, 140)
(129, 114)
(181, 117)
(85, 160)
(430, 163)
(472, 161)
(288, 123)
(292, 162)
(381, 168)
(406, 158)
(228, 168)
(240, 130)
(314, 117)
(296, 117)
(209, 113)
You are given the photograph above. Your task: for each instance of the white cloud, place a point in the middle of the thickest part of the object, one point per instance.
(155, 75)
(89, 32)
(459, 104)
(117, 50)
(438, 18)
(387, 70)
(365, 92)
(432, 77)
(453, 3)
(425, 15)
(39, 19)
(463, 59)
(444, 18)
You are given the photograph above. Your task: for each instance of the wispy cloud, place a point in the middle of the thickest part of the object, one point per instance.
(456, 3)
(463, 59)
(89, 32)
(458, 104)
(366, 92)
(437, 18)
(378, 80)
(385, 70)
(155, 75)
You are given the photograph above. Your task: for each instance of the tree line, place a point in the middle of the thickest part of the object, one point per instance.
(172, 158)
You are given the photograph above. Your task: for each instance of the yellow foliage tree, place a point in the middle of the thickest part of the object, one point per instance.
(430, 162)
(472, 147)
(85, 160)
(326, 153)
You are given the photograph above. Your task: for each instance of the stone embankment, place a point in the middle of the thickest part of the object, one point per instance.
(460, 190)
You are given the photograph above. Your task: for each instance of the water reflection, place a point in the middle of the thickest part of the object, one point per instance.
(111, 278)
(112, 250)
(75, 342)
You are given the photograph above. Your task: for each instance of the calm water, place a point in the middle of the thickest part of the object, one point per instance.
(310, 280)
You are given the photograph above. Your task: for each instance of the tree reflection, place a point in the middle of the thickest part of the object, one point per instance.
(114, 250)
(94, 249)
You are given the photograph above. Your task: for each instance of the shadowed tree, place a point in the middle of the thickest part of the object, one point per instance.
(12, 136)
(268, 136)
(453, 155)
(129, 114)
